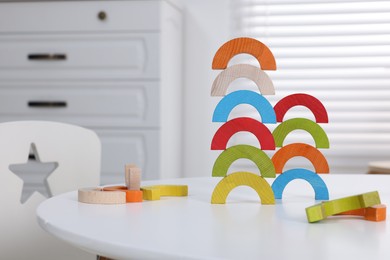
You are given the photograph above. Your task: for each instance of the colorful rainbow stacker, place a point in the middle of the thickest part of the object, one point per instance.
(267, 141)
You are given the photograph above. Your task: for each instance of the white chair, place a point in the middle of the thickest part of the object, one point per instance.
(76, 152)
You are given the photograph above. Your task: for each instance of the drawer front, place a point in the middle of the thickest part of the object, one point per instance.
(90, 105)
(134, 146)
(79, 16)
(79, 56)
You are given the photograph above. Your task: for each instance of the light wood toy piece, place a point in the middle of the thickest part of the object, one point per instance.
(281, 131)
(230, 101)
(227, 76)
(98, 196)
(325, 209)
(256, 182)
(312, 103)
(318, 185)
(227, 130)
(379, 167)
(228, 156)
(375, 213)
(131, 195)
(156, 191)
(289, 151)
(244, 45)
(132, 177)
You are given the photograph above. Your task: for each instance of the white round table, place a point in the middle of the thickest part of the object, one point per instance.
(192, 228)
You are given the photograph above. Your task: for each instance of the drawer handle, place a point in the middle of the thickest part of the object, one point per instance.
(102, 15)
(47, 104)
(46, 57)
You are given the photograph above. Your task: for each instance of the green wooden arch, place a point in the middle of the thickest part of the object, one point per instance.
(281, 131)
(259, 157)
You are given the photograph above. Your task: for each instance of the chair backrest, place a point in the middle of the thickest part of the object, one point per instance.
(76, 152)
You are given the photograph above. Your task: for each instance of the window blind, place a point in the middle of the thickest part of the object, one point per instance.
(335, 50)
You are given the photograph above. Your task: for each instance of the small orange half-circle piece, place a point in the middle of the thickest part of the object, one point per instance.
(244, 45)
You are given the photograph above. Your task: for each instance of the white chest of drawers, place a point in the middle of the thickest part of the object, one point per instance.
(111, 66)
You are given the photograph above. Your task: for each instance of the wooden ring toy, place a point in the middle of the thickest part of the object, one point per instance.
(131, 195)
(98, 196)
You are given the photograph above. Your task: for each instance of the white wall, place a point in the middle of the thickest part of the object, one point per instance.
(206, 28)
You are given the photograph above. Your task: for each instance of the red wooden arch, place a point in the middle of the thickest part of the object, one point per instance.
(227, 130)
(312, 103)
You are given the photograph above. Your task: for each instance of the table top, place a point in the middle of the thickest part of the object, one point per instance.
(193, 228)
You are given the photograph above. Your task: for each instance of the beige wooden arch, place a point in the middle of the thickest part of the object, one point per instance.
(227, 76)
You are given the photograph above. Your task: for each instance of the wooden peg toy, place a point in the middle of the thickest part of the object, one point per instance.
(242, 151)
(315, 130)
(132, 177)
(256, 182)
(227, 130)
(289, 151)
(156, 191)
(131, 195)
(244, 45)
(318, 185)
(325, 209)
(375, 213)
(312, 103)
(227, 76)
(98, 196)
(230, 101)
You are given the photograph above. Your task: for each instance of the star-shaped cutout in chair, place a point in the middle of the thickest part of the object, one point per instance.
(34, 174)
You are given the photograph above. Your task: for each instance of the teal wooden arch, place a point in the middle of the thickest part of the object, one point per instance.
(230, 101)
(319, 186)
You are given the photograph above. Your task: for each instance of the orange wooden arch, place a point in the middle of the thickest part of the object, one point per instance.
(287, 152)
(244, 45)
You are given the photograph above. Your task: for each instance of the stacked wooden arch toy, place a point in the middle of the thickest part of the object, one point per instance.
(267, 141)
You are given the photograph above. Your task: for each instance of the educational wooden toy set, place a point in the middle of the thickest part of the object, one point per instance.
(269, 141)
(367, 205)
